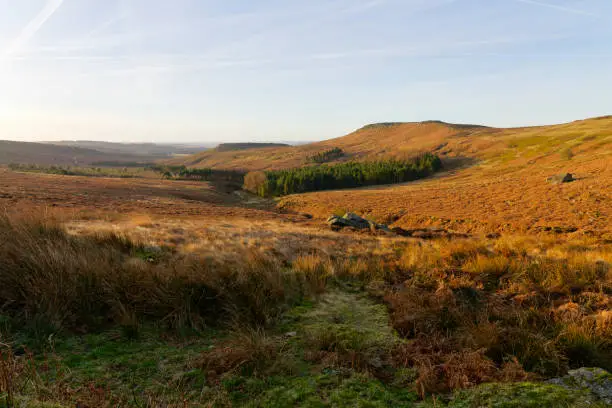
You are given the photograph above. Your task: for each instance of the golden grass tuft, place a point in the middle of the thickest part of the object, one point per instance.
(60, 281)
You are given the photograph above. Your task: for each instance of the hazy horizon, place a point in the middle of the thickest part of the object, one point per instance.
(215, 71)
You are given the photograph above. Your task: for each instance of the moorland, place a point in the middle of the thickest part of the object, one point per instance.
(168, 284)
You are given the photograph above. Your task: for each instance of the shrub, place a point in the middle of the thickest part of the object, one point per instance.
(327, 155)
(255, 182)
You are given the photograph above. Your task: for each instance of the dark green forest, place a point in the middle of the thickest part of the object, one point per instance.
(344, 175)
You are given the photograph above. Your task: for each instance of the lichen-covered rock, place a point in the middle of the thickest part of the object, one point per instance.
(594, 380)
(354, 221)
(337, 223)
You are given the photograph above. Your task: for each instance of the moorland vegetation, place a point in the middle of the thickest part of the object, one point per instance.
(420, 320)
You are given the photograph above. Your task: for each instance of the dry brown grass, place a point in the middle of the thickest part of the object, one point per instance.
(100, 198)
(478, 199)
(480, 311)
(470, 310)
(251, 351)
(10, 370)
(124, 253)
(60, 281)
(488, 308)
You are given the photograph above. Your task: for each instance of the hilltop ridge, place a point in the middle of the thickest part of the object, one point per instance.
(402, 139)
(226, 147)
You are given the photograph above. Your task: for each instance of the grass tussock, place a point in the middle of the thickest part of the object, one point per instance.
(54, 281)
(252, 352)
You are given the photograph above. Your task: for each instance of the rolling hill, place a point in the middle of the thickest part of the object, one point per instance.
(451, 141)
(48, 154)
(369, 142)
(495, 178)
(140, 149)
(504, 188)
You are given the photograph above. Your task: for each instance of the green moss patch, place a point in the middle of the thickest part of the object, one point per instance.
(520, 395)
(356, 390)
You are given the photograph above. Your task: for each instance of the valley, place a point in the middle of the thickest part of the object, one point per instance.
(176, 287)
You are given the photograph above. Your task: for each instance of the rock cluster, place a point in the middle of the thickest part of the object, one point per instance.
(353, 221)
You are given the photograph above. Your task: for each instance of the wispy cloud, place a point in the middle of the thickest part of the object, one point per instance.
(105, 25)
(559, 8)
(33, 26)
(172, 64)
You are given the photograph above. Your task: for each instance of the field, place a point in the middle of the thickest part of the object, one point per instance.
(151, 292)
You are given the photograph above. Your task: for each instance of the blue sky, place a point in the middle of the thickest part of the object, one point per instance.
(246, 70)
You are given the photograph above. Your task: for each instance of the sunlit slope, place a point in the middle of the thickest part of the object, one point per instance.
(478, 143)
(505, 186)
(370, 142)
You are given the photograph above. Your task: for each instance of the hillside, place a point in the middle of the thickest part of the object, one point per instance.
(503, 189)
(140, 149)
(41, 153)
(230, 147)
(404, 139)
(372, 141)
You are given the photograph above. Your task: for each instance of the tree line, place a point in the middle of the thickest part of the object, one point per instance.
(165, 171)
(202, 174)
(343, 175)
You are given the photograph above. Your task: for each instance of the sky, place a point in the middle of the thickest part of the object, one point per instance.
(295, 70)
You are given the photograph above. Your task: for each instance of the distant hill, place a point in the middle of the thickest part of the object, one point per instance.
(42, 153)
(141, 149)
(369, 142)
(402, 139)
(231, 147)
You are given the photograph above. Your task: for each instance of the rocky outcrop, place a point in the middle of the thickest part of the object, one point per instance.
(352, 220)
(561, 178)
(594, 380)
(355, 222)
